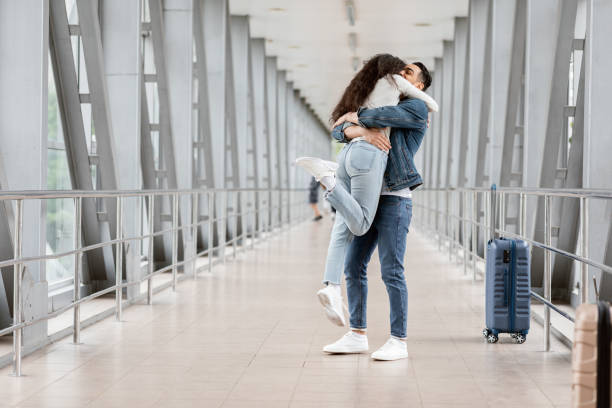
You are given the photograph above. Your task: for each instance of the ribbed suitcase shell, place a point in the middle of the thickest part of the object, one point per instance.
(584, 357)
(508, 287)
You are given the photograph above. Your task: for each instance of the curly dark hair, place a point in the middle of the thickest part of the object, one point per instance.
(364, 81)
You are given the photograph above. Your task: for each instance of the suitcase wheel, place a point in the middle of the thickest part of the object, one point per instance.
(519, 338)
(491, 338)
(485, 333)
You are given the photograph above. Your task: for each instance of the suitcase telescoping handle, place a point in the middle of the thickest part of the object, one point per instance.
(492, 212)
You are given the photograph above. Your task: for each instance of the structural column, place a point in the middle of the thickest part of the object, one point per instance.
(24, 49)
(120, 26)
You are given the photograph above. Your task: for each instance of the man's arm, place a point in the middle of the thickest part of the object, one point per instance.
(373, 136)
(408, 114)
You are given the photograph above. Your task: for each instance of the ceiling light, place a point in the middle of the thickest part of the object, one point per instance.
(422, 24)
(355, 62)
(295, 47)
(277, 9)
(353, 42)
(301, 66)
(350, 12)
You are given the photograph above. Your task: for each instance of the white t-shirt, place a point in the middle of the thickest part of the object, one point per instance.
(404, 192)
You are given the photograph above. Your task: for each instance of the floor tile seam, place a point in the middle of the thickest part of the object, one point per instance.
(248, 365)
(539, 388)
(56, 380)
(301, 373)
(113, 383)
(452, 339)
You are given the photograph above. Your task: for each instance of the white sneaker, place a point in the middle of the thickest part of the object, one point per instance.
(393, 349)
(318, 168)
(350, 343)
(331, 299)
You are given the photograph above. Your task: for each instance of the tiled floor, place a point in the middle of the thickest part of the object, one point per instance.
(250, 335)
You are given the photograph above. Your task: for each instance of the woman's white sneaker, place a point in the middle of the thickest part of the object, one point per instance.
(331, 299)
(318, 168)
(350, 343)
(393, 349)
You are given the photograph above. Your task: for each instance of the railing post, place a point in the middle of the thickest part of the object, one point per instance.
(175, 200)
(76, 333)
(463, 221)
(194, 231)
(502, 211)
(151, 264)
(523, 215)
(485, 222)
(17, 269)
(448, 226)
(547, 272)
(119, 260)
(584, 245)
(211, 226)
(475, 221)
(254, 219)
(235, 236)
(244, 219)
(225, 223)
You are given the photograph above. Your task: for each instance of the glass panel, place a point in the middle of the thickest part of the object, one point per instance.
(59, 212)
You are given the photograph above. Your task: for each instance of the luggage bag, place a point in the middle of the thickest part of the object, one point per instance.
(507, 284)
(591, 356)
(508, 289)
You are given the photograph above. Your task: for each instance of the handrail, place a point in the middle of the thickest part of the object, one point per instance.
(50, 194)
(263, 217)
(557, 192)
(450, 214)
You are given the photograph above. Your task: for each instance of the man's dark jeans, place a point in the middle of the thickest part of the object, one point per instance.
(389, 232)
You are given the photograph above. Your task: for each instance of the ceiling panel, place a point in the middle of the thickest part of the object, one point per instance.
(311, 38)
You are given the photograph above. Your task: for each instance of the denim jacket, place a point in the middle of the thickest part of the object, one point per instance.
(408, 122)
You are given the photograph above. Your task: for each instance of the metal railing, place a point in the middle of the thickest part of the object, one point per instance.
(447, 213)
(266, 211)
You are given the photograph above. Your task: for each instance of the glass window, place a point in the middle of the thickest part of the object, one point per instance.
(59, 212)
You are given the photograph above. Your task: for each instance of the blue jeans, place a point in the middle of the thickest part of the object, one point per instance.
(358, 183)
(389, 232)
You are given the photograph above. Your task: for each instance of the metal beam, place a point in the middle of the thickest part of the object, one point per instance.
(455, 150)
(89, 24)
(597, 136)
(98, 267)
(205, 170)
(557, 101)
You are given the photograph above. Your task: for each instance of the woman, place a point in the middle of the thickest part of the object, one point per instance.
(360, 168)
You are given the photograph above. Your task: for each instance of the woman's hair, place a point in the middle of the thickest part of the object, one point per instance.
(363, 83)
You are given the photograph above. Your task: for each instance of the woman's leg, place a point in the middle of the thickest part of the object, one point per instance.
(364, 165)
(341, 236)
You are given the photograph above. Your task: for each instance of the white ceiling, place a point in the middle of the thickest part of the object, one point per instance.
(311, 37)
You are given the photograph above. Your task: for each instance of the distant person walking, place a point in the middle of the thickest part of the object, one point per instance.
(313, 198)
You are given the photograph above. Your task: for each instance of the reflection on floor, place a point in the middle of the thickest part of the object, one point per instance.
(250, 335)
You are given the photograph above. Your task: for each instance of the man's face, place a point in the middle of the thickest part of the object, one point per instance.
(412, 73)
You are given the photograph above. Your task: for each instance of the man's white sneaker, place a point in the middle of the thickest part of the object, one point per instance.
(318, 168)
(331, 299)
(350, 343)
(393, 349)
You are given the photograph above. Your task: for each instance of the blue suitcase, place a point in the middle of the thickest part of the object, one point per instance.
(508, 289)
(508, 284)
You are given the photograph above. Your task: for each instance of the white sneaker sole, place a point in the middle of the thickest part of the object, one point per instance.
(388, 358)
(345, 350)
(331, 314)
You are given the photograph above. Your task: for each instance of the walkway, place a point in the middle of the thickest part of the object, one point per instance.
(250, 335)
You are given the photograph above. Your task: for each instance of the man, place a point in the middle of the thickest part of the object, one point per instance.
(408, 122)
